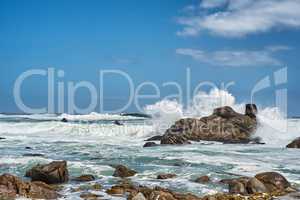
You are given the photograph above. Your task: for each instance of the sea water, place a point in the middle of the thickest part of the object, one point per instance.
(93, 143)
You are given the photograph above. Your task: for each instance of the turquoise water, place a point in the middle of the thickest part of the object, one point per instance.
(92, 146)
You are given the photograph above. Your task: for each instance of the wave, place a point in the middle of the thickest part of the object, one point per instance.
(273, 127)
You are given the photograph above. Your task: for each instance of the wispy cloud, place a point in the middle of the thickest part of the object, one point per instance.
(237, 18)
(235, 58)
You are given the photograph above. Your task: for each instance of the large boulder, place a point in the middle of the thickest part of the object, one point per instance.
(273, 181)
(12, 186)
(52, 173)
(294, 144)
(224, 125)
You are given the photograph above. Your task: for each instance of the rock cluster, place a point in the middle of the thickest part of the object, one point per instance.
(224, 125)
(268, 182)
(12, 186)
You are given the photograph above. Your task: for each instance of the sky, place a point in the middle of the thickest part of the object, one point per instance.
(218, 41)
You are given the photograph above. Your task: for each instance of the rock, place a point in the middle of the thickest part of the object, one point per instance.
(11, 186)
(2, 138)
(294, 144)
(33, 155)
(150, 144)
(52, 173)
(237, 187)
(224, 125)
(64, 120)
(28, 148)
(251, 110)
(85, 178)
(90, 196)
(174, 139)
(202, 179)
(139, 196)
(166, 176)
(122, 171)
(154, 138)
(116, 190)
(273, 181)
(255, 186)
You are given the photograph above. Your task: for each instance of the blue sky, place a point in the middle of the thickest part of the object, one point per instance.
(219, 40)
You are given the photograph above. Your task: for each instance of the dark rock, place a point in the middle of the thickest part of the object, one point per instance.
(85, 178)
(28, 148)
(33, 155)
(166, 176)
(2, 138)
(294, 144)
(251, 110)
(155, 138)
(64, 120)
(136, 115)
(150, 144)
(12, 186)
(224, 125)
(52, 173)
(171, 138)
(273, 181)
(202, 179)
(122, 171)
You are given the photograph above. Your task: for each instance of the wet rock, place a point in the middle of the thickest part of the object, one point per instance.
(154, 138)
(150, 144)
(255, 186)
(237, 187)
(116, 190)
(166, 176)
(28, 148)
(2, 138)
(64, 120)
(171, 138)
(90, 196)
(11, 186)
(224, 125)
(122, 171)
(84, 178)
(294, 144)
(52, 173)
(33, 155)
(202, 179)
(273, 181)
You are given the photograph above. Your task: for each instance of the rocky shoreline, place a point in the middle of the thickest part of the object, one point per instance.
(44, 180)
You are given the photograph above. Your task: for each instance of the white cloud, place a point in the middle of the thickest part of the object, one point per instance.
(241, 17)
(235, 58)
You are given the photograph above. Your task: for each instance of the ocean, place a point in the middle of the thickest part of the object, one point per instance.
(92, 143)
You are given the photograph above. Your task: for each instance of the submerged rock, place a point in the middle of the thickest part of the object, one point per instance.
(224, 125)
(166, 176)
(85, 178)
(294, 144)
(202, 179)
(12, 186)
(2, 138)
(33, 155)
(150, 144)
(52, 173)
(122, 171)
